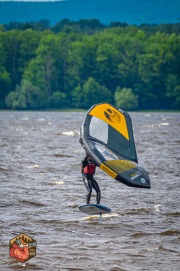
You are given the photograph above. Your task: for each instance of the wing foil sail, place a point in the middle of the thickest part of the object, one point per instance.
(111, 116)
(107, 136)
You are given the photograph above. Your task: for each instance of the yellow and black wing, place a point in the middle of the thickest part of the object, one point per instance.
(107, 136)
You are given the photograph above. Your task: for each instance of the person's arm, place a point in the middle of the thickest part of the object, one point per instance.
(81, 169)
(84, 162)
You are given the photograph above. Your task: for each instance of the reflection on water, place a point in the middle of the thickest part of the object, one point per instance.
(41, 189)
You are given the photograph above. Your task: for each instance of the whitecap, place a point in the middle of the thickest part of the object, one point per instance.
(33, 166)
(156, 207)
(165, 123)
(70, 133)
(58, 182)
(149, 126)
(147, 115)
(97, 216)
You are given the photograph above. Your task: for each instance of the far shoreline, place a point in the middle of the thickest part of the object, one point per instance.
(85, 110)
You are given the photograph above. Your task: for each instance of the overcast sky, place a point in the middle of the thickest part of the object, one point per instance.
(29, 0)
(129, 11)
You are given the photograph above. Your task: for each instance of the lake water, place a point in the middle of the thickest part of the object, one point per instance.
(42, 188)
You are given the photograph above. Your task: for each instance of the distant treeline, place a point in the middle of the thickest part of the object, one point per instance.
(78, 64)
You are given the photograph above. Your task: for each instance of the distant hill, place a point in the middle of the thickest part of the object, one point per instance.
(129, 11)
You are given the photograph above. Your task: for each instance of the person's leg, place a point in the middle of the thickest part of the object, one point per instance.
(87, 184)
(95, 186)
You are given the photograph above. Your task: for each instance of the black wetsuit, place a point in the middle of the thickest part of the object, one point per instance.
(89, 181)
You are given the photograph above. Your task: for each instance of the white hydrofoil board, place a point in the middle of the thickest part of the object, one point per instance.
(94, 209)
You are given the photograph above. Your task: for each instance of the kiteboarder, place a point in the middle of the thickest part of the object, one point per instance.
(88, 169)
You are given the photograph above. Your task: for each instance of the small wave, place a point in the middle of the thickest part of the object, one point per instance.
(139, 234)
(173, 214)
(6, 205)
(32, 203)
(49, 221)
(61, 155)
(137, 211)
(162, 248)
(72, 205)
(3, 170)
(170, 233)
(57, 183)
(25, 266)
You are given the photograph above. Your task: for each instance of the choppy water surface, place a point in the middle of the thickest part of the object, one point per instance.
(41, 189)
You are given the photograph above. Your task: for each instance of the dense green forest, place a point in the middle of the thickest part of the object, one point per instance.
(78, 64)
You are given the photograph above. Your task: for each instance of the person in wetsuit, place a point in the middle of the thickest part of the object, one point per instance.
(88, 169)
